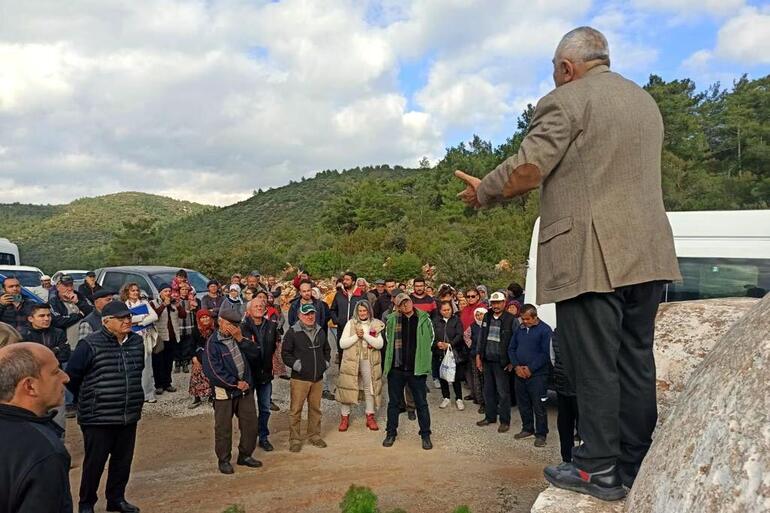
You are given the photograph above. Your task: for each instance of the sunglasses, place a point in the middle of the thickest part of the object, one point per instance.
(471, 295)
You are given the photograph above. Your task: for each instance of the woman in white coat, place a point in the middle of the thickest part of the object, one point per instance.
(361, 369)
(144, 325)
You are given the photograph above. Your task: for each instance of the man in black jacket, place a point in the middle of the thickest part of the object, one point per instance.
(13, 307)
(261, 339)
(68, 308)
(307, 352)
(34, 468)
(106, 379)
(89, 287)
(492, 359)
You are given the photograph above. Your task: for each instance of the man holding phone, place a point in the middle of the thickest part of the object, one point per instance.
(13, 307)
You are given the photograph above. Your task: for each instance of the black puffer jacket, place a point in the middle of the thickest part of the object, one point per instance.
(106, 379)
(452, 332)
(561, 382)
(52, 338)
(307, 358)
(259, 348)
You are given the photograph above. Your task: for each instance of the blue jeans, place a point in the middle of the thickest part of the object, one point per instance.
(264, 393)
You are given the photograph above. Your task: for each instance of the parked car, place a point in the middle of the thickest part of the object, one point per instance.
(28, 276)
(149, 278)
(78, 276)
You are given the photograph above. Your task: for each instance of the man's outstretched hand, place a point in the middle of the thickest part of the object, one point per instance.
(469, 195)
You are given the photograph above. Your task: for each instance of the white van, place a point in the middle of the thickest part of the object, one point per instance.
(720, 253)
(9, 253)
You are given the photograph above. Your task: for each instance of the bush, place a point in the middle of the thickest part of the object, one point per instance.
(359, 499)
(234, 508)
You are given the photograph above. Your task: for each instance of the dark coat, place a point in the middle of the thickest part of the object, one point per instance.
(62, 319)
(12, 316)
(106, 379)
(561, 382)
(343, 308)
(451, 331)
(307, 358)
(220, 369)
(259, 348)
(52, 338)
(509, 323)
(88, 292)
(34, 468)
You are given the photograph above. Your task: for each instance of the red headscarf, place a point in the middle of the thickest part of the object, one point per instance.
(205, 330)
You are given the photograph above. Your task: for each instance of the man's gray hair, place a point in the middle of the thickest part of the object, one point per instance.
(583, 44)
(16, 363)
(8, 335)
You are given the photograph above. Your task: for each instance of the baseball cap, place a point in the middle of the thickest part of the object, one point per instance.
(91, 274)
(307, 308)
(115, 309)
(45, 277)
(497, 296)
(230, 314)
(254, 273)
(66, 279)
(379, 282)
(104, 293)
(212, 282)
(401, 298)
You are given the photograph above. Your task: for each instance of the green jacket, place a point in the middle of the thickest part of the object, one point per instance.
(423, 355)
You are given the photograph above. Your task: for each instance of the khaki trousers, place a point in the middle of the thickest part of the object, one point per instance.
(302, 391)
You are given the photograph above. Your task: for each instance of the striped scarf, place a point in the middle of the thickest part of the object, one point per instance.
(398, 344)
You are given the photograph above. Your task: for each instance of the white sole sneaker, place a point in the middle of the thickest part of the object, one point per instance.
(444, 403)
(436, 384)
(460, 404)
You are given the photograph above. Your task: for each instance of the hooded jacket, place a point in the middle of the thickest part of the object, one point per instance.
(34, 469)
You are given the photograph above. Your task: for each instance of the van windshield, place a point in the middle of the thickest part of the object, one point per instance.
(27, 278)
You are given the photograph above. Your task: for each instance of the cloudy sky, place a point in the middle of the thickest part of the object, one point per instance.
(207, 100)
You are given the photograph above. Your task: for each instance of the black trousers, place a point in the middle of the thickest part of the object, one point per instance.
(531, 395)
(183, 350)
(162, 364)
(497, 393)
(566, 422)
(102, 442)
(398, 380)
(245, 409)
(606, 343)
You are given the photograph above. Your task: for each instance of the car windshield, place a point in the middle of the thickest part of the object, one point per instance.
(27, 278)
(78, 276)
(197, 280)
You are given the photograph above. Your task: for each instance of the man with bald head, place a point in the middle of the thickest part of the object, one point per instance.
(605, 250)
(34, 469)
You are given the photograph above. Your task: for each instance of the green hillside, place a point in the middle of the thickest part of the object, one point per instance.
(77, 235)
(381, 221)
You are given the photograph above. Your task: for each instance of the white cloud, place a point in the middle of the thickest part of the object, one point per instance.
(746, 37)
(692, 8)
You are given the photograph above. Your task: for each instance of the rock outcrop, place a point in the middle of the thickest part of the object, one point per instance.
(713, 453)
(685, 334)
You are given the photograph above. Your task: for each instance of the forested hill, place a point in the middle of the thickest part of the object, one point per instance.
(76, 235)
(390, 221)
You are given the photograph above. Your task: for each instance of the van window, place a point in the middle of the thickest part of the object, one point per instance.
(113, 281)
(7, 259)
(706, 278)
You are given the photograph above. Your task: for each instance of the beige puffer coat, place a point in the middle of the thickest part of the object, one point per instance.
(348, 389)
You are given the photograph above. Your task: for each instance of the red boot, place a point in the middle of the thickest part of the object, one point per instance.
(371, 423)
(344, 422)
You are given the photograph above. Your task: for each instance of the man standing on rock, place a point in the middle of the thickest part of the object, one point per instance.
(605, 251)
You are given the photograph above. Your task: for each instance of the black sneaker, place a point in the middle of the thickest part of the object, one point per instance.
(411, 415)
(485, 422)
(266, 445)
(274, 407)
(158, 391)
(426, 443)
(327, 395)
(602, 484)
(389, 441)
(170, 389)
(122, 506)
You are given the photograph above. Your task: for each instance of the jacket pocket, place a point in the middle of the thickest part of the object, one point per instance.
(558, 254)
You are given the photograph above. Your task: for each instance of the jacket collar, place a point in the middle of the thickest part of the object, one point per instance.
(601, 68)
(17, 413)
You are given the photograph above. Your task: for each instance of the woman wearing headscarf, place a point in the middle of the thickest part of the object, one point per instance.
(233, 301)
(360, 369)
(142, 322)
(473, 375)
(202, 330)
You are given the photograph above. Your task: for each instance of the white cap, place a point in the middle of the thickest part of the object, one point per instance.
(235, 287)
(45, 277)
(497, 296)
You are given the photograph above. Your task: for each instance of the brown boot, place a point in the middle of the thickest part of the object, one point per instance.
(344, 422)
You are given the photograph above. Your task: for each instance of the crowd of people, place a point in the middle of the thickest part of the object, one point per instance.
(605, 252)
(116, 350)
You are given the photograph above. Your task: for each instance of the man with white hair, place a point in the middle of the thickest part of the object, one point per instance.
(605, 250)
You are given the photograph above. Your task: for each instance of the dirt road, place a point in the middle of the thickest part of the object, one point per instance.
(175, 469)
